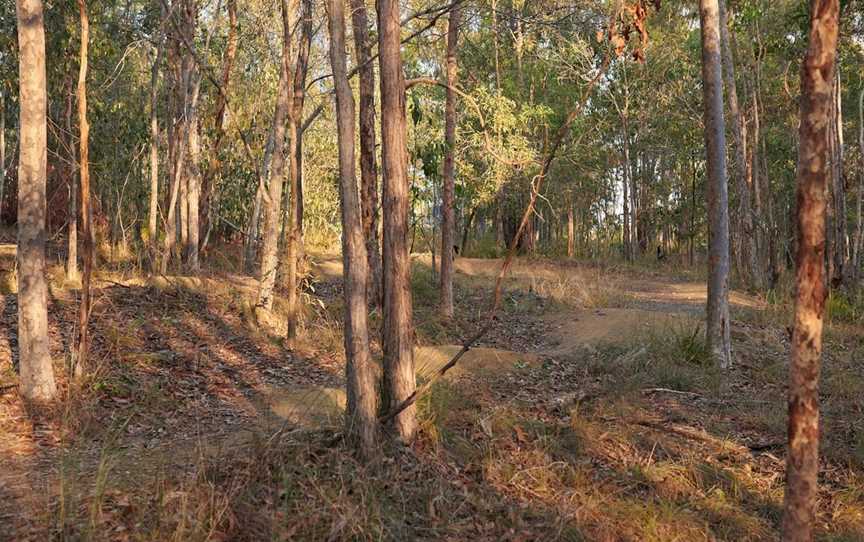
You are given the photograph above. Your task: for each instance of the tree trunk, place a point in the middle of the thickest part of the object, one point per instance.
(838, 186)
(2, 150)
(208, 179)
(368, 166)
(449, 192)
(717, 327)
(398, 333)
(625, 185)
(269, 256)
(152, 226)
(293, 225)
(747, 237)
(802, 463)
(856, 245)
(360, 421)
(84, 168)
(72, 274)
(37, 373)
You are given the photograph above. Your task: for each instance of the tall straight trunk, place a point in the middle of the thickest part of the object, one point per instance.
(72, 227)
(361, 423)
(717, 326)
(859, 196)
(398, 333)
(2, 149)
(152, 226)
(838, 186)
(193, 169)
(368, 165)
(193, 174)
(269, 249)
(293, 237)
(625, 185)
(37, 373)
(802, 461)
(448, 223)
(293, 225)
(747, 237)
(84, 168)
(208, 177)
(571, 240)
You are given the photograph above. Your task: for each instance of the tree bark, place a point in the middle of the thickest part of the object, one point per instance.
(37, 373)
(84, 168)
(717, 327)
(153, 213)
(859, 196)
(208, 179)
(269, 257)
(2, 150)
(747, 233)
(398, 332)
(571, 239)
(838, 186)
(360, 420)
(72, 273)
(448, 224)
(625, 185)
(368, 165)
(293, 223)
(802, 463)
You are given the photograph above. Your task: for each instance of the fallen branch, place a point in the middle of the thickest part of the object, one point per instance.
(536, 183)
(667, 390)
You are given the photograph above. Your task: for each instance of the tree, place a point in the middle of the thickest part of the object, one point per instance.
(398, 333)
(294, 214)
(368, 165)
(153, 209)
(448, 224)
(37, 373)
(747, 233)
(84, 169)
(717, 327)
(802, 462)
(269, 251)
(360, 420)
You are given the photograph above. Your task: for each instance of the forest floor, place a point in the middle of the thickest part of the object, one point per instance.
(591, 411)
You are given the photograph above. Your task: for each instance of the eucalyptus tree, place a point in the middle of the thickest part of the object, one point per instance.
(37, 373)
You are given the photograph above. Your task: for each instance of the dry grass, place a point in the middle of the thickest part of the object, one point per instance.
(640, 439)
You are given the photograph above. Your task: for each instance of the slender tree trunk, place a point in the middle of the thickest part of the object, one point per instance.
(193, 166)
(152, 226)
(37, 373)
(72, 274)
(293, 225)
(571, 240)
(838, 185)
(625, 185)
(84, 168)
(859, 196)
(269, 257)
(747, 235)
(368, 165)
(360, 420)
(448, 224)
(208, 179)
(2, 150)
(293, 238)
(717, 327)
(398, 333)
(802, 462)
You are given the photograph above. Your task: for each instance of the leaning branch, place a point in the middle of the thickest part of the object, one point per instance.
(536, 182)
